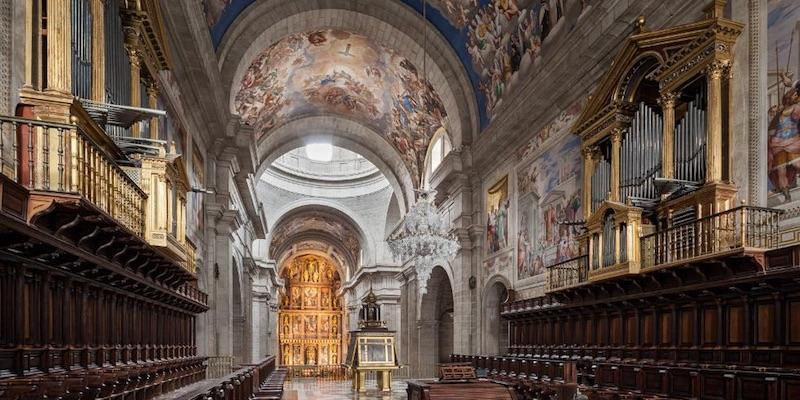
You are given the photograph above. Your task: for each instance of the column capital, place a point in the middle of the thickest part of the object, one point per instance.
(715, 69)
(667, 99)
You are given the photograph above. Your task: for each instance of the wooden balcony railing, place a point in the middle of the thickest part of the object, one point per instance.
(53, 157)
(743, 227)
(738, 230)
(567, 273)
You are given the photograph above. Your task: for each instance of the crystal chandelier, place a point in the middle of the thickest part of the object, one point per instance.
(422, 239)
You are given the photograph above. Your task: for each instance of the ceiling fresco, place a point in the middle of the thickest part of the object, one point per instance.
(339, 72)
(315, 222)
(496, 40)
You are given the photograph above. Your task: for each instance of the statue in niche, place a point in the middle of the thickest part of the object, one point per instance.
(286, 328)
(287, 355)
(328, 272)
(315, 270)
(298, 326)
(334, 326)
(294, 273)
(296, 298)
(323, 355)
(326, 299)
(333, 354)
(324, 326)
(307, 272)
(297, 354)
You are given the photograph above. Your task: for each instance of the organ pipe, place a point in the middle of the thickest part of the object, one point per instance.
(690, 141)
(118, 66)
(81, 48)
(640, 155)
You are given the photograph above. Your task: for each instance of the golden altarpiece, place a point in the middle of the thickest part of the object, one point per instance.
(311, 313)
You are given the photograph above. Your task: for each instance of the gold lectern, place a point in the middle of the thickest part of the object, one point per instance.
(371, 347)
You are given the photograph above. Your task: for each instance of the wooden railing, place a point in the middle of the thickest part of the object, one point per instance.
(567, 273)
(242, 384)
(737, 228)
(743, 228)
(53, 157)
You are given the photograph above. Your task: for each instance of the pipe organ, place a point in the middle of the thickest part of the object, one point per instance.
(655, 141)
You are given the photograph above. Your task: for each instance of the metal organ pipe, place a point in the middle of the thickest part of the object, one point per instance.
(640, 160)
(81, 31)
(690, 139)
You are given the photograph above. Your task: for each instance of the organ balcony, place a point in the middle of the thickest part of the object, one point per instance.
(72, 181)
(656, 143)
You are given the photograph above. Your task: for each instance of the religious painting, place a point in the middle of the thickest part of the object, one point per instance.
(310, 297)
(783, 145)
(553, 130)
(549, 187)
(497, 216)
(338, 72)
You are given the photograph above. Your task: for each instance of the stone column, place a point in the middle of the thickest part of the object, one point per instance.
(223, 283)
(667, 102)
(98, 51)
(59, 46)
(428, 348)
(260, 326)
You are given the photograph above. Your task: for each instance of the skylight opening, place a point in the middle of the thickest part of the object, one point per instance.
(322, 152)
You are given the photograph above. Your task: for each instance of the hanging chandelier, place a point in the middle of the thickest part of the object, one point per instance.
(423, 240)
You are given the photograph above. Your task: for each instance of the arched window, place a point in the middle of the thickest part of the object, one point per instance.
(439, 147)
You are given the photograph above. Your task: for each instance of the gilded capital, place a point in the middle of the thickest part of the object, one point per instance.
(667, 99)
(716, 69)
(616, 135)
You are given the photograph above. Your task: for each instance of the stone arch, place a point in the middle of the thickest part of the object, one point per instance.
(495, 329)
(315, 205)
(436, 322)
(345, 133)
(391, 23)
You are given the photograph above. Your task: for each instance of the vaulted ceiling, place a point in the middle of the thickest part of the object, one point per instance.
(333, 71)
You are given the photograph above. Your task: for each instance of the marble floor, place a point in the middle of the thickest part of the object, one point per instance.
(317, 389)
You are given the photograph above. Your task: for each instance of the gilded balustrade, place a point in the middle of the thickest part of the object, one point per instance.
(62, 158)
(737, 230)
